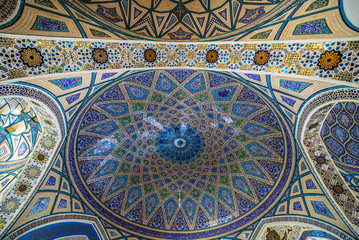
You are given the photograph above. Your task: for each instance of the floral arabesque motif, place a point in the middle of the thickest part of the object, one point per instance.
(261, 57)
(22, 188)
(100, 55)
(212, 56)
(31, 57)
(329, 60)
(150, 55)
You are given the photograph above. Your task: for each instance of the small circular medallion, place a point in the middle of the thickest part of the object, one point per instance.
(212, 56)
(32, 172)
(329, 60)
(150, 55)
(261, 57)
(320, 159)
(338, 189)
(180, 142)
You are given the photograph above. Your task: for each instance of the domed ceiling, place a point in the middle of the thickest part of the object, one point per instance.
(180, 150)
(183, 19)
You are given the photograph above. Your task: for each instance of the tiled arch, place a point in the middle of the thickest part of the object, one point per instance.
(308, 129)
(43, 156)
(21, 132)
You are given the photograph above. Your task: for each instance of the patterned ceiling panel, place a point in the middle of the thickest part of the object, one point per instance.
(340, 133)
(26, 57)
(179, 20)
(184, 20)
(180, 150)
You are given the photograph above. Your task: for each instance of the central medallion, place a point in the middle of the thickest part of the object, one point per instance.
(180, 143)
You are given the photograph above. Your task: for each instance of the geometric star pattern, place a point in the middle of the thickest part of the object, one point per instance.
(181, 20)
(137, 167)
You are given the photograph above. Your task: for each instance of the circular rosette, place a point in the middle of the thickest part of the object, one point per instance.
(212, 56)
(180, 144)
(150, 55)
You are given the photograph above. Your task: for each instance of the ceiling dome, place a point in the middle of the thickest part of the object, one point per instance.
(180, 150)
(183, 19)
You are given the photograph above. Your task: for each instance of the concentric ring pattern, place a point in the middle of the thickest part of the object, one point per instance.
(178, 150)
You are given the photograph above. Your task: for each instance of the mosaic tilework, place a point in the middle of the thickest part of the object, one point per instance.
(20, 131)
(7, 10)
(313, 27)
(283, 231)
(317, 5)
(40, 205)
(67, 83)
(166, 20)
(294, 85)
(63, 229)
(47, 24)
(180, 144)
(321, 208)
(158, 190)
(57, 56)
(158, 220)
(317, 233)
(40, 158)
(37, 95)
(340, 133)
(305, 224)
(291, 228)
(320, 157)
(54, 228)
